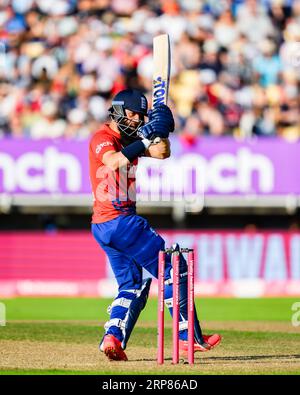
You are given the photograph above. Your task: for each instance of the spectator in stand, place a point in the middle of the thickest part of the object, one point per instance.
(235, 64)
(267, 65)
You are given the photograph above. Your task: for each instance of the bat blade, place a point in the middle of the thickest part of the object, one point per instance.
(161, 69)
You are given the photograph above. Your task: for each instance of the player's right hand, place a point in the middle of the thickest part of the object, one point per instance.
(161, 123)
(153, 129)
(163, 115)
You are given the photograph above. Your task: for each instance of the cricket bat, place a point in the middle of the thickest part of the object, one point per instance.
(161, 71)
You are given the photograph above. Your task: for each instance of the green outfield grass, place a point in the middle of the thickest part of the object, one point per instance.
(61, 335)
(211, 309)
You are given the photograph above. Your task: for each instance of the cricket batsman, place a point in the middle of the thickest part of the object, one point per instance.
(127, 239)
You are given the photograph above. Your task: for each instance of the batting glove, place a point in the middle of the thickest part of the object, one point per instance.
(153, 129)
(163, 115)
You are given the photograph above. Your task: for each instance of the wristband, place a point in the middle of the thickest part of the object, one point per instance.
(146, 143)
(134, 150)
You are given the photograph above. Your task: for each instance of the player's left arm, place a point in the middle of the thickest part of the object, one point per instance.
(162, 150)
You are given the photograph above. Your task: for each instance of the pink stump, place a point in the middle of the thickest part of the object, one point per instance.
(175, 307)
(161, 297)
(191, 306)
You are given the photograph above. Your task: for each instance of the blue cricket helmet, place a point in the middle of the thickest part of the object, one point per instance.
(133, 100)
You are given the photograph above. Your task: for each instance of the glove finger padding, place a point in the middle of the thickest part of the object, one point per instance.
(154, 128)
(162, 114)
(160, 109)
(146, 130)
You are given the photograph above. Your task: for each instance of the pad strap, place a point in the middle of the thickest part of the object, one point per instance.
(114, 322)
(123, 302)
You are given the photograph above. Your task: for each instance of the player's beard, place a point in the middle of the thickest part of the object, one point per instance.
(127, 139)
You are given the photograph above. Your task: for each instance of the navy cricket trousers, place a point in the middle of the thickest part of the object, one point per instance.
(130, 244)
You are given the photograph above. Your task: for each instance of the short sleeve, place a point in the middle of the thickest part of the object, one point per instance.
(100, 144)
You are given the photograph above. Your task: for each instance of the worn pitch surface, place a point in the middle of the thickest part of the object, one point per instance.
(270, 346)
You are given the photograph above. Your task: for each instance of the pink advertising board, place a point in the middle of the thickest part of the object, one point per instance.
(227, 263)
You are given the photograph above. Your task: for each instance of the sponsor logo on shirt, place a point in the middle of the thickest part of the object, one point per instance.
(100, 146)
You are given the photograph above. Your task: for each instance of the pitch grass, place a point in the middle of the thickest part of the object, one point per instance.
(72, 349)
(67, 344)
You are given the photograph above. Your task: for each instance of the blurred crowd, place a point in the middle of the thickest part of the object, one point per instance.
(235, 64)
